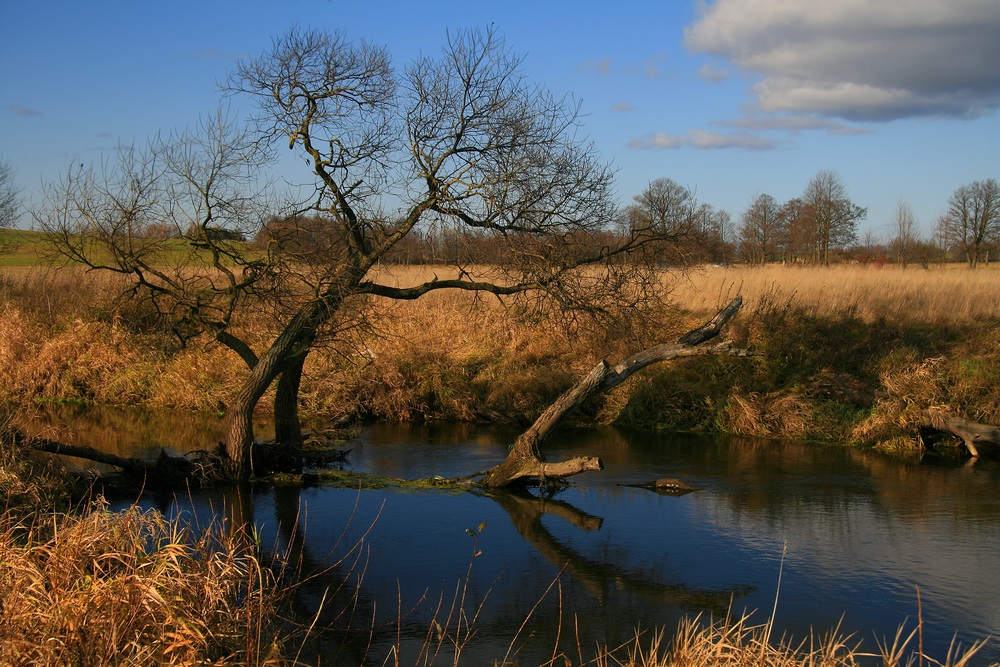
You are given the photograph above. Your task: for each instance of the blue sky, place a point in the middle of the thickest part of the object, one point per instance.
(731, 98)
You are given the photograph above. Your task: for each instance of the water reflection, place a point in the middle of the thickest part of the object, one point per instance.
(858, 533)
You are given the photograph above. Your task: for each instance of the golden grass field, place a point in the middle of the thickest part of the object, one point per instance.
(845, 353)
(941, 294)
(945, 294)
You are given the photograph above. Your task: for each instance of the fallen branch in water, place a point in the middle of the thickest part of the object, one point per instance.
(525, 460)
(973, 434)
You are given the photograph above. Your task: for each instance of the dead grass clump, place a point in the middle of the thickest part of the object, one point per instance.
(447, 356)
(131, 588)
(779, 414)
(92, 361)
(734, 642)
(739, 643)
(201, 379)
(19, 340)
(909, 385)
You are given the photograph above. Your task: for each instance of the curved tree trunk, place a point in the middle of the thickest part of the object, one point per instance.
(291, 344)
(287, 428)
(525, 460)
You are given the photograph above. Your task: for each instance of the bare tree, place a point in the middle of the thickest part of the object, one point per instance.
(763, 231)
(10, 204)
(461, 142)
(869, 249)
(972, 221)
(905, 237)
(831, 216)
(668, 210)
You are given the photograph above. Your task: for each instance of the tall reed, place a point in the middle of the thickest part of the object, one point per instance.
(83, 585)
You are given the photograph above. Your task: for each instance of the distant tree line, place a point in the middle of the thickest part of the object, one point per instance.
(821, 227)
(818, 227)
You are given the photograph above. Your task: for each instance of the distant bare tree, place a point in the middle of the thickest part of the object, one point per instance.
(763, 231)
(830, 214)
(905, 236)
(9, 196)
(720, 236)
(667, 209)
(801, 233)
(869, 249)
(972, 221)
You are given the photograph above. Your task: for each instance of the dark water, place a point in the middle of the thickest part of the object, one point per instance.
(853, 533)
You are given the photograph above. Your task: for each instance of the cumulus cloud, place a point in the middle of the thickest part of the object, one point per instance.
(703, 139)
(623, 107)
(860, 60)
(793, 123)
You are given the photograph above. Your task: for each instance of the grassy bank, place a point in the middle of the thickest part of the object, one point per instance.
(851, 354)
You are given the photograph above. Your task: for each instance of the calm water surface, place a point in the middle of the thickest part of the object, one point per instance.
(853, 534)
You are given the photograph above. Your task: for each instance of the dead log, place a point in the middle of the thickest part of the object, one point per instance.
(83, 452)
(165, 471)
(973, 434)
(525, 460)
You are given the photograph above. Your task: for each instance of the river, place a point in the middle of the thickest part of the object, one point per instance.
(822, 535)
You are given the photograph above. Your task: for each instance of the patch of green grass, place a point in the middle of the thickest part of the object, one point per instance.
(22, 247)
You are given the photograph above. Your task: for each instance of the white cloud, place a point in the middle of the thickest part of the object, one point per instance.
(622, 107)
(860, 59)
(658, 140)
(703, 139)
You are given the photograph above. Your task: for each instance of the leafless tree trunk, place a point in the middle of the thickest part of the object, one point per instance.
(973, 434)
(525, 460)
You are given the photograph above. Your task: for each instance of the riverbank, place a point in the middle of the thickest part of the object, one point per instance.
(851, 355)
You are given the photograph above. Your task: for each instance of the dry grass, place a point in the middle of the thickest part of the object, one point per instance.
(940, 295)
(130, 588)
(737, 642)
(454, 357)
(87, 586)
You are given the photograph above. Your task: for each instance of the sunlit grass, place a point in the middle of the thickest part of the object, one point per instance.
(940, 295)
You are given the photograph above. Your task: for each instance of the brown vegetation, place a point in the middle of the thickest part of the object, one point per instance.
(849, 353)
(82, 585)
